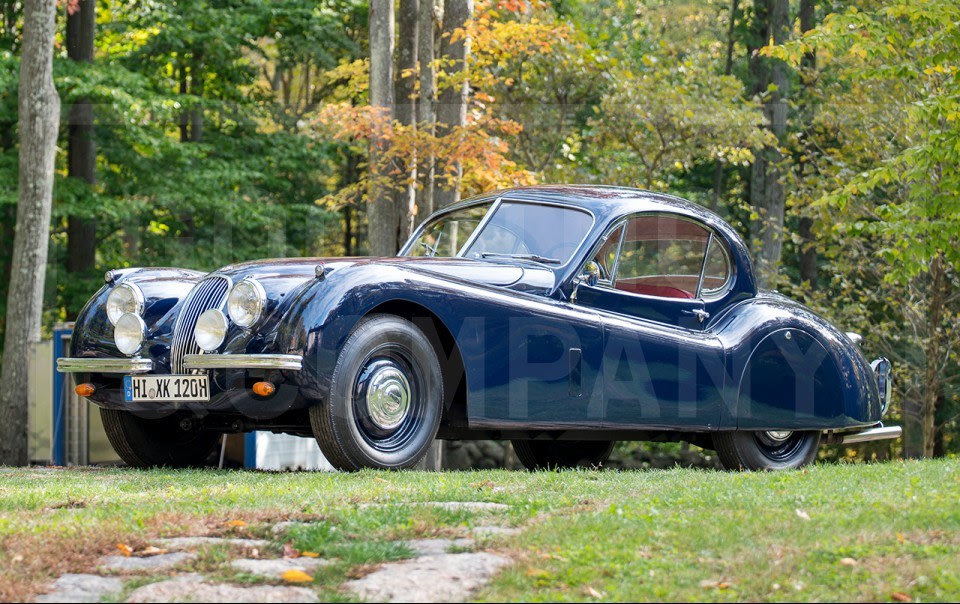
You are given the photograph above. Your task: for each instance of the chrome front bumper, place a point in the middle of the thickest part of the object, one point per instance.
(103, 365)
(292, 362)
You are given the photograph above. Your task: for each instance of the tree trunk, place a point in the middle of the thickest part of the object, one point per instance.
(429, 18)
(808, 66)
(405, 192)
(727, 70)
(381, 217)
(452, 106)
(82, 156)
(766, 184)
(932, 381)
(39, 114)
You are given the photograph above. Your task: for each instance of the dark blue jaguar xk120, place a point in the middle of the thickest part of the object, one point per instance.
(564, 318)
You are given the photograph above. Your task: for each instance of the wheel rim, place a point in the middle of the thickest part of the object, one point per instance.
(779, 445)
(387, 399)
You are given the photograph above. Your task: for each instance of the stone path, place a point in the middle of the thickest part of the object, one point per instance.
(81, 588)
(437, 578)
(441, 570)
(194, 588)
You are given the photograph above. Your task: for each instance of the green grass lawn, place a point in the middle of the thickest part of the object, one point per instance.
(832, 532)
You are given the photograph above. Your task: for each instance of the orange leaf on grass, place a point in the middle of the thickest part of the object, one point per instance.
(236, 523)
(310, 554)
(296, 576)
(125, 549)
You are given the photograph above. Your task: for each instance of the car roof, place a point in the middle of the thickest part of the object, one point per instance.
(605, 202)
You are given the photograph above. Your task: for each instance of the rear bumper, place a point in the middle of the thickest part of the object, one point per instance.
(880, 432)
(104, 365)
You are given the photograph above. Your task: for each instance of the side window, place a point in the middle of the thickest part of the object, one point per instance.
(716, 270)
(663, 256)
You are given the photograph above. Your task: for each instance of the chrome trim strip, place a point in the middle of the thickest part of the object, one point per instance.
(243, 361)
(880, 433)
(103, 365)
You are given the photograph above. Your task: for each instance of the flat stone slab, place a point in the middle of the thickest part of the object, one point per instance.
(432, 547)
(286, 525)
(494, 531)
(146, 563)
(470, 506)
(81, 588)
(188, 543)
(441, 578)
(275, 568)
(195, 588)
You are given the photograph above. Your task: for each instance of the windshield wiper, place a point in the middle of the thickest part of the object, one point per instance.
(531, 257)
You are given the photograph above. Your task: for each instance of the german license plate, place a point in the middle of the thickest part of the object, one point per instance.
(166, 388)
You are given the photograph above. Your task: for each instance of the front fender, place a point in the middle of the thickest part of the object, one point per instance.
(164, 290)
(319, 321)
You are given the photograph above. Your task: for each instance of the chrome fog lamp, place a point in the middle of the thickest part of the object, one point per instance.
(125, 298)
(211, 330)
(246, 302)
(129, 333)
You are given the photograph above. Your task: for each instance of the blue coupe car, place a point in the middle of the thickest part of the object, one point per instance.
(563, 318)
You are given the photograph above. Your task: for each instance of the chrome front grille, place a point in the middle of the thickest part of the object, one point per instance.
(209, 293)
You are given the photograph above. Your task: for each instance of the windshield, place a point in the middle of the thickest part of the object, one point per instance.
(546, 234)
(523, 231)
(447, 235)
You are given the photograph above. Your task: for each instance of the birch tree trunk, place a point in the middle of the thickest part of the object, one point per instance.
(381, 217)
(429, 18)
(82, 157)
(39, 112)
(452, 106)
(405, 193)
(808, 66)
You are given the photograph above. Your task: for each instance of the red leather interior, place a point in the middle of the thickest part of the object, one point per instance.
(663, 291)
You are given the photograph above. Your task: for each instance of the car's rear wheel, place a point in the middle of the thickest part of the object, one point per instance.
(386, 398)
(766, 450)
(559, 454)
(169, 441)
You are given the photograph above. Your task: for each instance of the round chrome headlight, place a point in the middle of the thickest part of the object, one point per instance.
(211, 330)
(246, 302)
(129, 333)
(125, 298)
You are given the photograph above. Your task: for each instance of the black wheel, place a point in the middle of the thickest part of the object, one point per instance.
(146, 443)
(554, 454)
(770, 450)
(386, 397)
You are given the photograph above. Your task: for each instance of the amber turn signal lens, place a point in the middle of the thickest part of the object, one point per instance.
(264, 388)
(85, 389)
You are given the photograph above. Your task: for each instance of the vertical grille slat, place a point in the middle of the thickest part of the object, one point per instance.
(209, 293)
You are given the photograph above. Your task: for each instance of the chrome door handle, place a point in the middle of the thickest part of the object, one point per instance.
(699, 313)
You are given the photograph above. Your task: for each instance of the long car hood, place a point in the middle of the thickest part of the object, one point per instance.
(285, 274)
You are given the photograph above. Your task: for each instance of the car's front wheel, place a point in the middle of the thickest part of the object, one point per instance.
(386, 398)
(168, 441)
(766, 450)
(559, 454)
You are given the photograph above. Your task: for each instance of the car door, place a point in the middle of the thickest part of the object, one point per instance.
(662, 367)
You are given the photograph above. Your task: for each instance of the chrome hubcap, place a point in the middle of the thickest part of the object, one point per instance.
(388, 397)
(779, 436)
